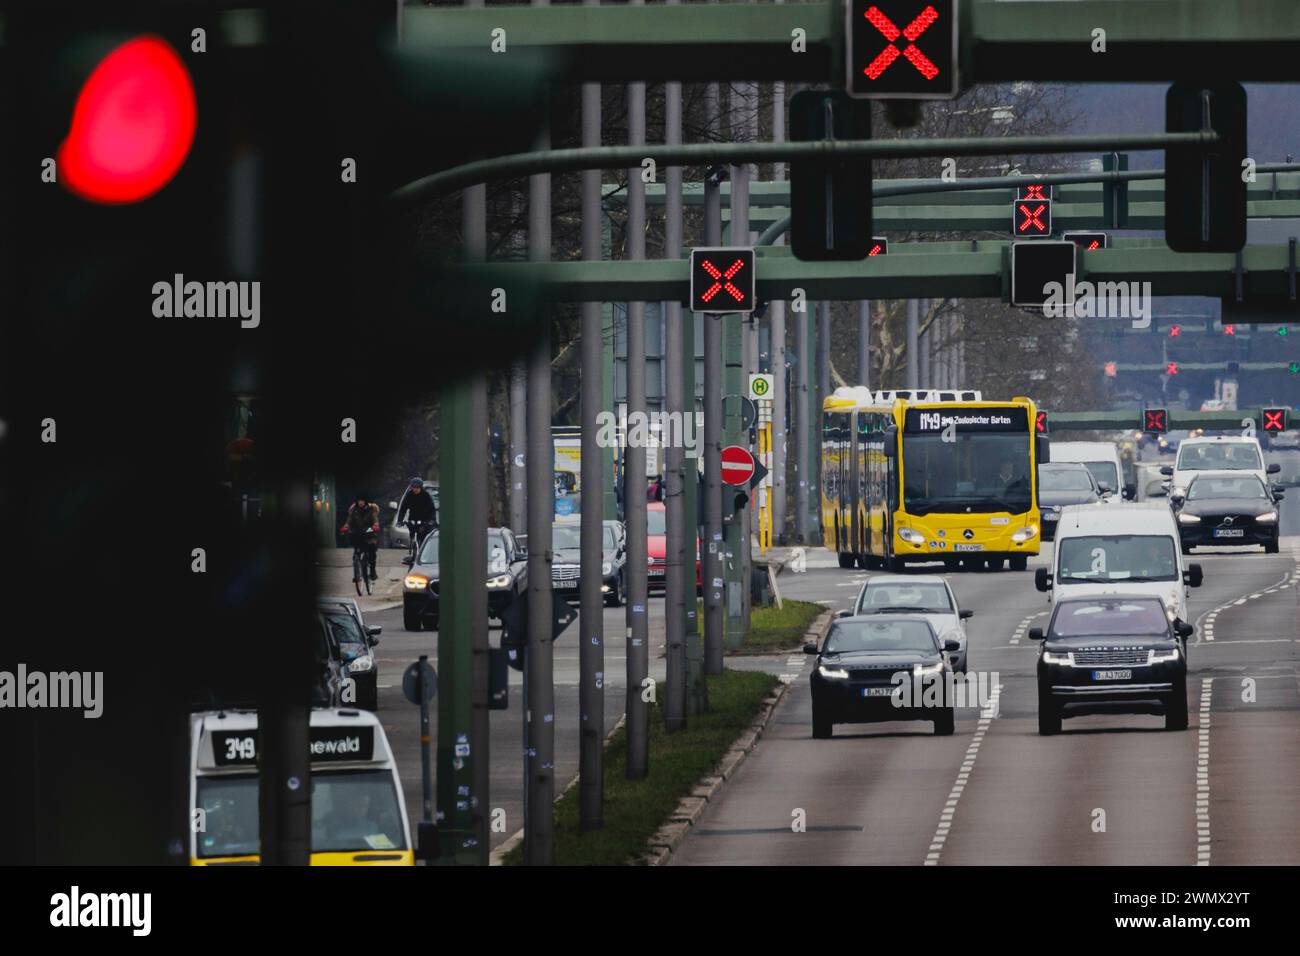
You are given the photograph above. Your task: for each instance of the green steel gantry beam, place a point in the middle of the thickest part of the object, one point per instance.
(973, 269)
(1243, 40)
(1130, 419)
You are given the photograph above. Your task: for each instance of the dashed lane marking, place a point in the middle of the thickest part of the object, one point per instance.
(794, 667)
(941, 832)
(1022, 627)
(1205, 625)
(1203, 777)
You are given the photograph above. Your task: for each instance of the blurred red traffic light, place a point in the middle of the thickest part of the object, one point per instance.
(133, 124)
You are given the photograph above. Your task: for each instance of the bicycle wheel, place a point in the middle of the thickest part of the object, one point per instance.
(358, 571)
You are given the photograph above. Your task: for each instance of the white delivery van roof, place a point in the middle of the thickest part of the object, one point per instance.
(1083, 451)
(1137, 517)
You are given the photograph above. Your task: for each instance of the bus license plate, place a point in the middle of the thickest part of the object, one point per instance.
(968, 547)
(1112, 675)
(877, 691)
(1229, 532)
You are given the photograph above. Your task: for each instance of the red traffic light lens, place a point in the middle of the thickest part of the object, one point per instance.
(133, 124)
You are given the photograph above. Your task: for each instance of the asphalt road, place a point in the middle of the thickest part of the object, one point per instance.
(1111, 789)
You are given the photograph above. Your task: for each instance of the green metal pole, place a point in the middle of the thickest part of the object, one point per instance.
(461, 586)
(697, 698)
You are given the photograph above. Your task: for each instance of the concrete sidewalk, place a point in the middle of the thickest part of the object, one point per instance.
(334, 567)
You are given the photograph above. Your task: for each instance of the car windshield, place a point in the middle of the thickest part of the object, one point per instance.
(1247, 486)
(1104, 472)
(496, 549)
(1120, 557)
(565, 536)
(1063, 479)
(655, 518)
(908, 636)
(345, 630)
(1219, 456)
(1108, 618)
(975, 472)
(349, 811)
(932, 598)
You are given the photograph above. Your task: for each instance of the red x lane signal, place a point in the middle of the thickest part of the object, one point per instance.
(1032, 218)
(722, 280)
(1040, 423)
(902, 49)
(1033, 192)
(1175, 331)
(1088, 241)
(1155, 421)
(878, 247)
(1229, 330)
(1171, 368)
(1274, 419)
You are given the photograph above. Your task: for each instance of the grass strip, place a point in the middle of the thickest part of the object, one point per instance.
(635, 809)
(772, 628)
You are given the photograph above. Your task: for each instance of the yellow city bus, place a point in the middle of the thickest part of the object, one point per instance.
(930, 475)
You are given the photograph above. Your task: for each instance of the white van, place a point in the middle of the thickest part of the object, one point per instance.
(1217, 453)
(1102, 459)
(1130, 550)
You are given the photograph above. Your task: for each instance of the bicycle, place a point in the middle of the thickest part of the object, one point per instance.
(361, 560)
(418, 531)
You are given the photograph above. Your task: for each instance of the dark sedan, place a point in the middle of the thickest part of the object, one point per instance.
(1227, 508)
(355, 640)
(1111, 654)
(507, 579)
(566, 545)
(1060, 484)
(882, 667)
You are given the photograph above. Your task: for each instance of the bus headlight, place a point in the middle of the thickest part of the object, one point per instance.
(1024, 534)
(910, 536)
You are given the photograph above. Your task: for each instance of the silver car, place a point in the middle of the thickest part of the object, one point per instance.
(926, 595)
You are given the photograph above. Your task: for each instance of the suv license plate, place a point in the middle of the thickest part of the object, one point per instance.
(877, 691)
(1112, 675)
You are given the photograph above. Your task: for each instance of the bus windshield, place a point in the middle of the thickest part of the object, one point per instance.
(986, 471)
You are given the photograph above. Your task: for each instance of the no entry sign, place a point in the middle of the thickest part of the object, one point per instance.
(737, 465)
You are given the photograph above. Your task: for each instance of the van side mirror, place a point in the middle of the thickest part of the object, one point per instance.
(1193, 575)
(1167, 470)
(1035, 634)
(966, 615)
(1130, 490)
(1042, 579)
(1273, 469)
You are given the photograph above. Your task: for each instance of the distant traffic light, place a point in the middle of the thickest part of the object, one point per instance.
(1035, 191)
(1229, 329)
(1200, 182)
(830, 199)
(722, 280)
(1034, 265)
(1175, 331)
(1171, 368)
(1040, 422)
(1155, 421)
(1282, 331)
(1111, 369)
(1088, 241)
(1273, 419)
(1031, 218)
(901, 49)
(879, 246)
(1294, 368)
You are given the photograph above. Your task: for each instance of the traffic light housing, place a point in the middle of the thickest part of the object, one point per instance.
(1040, 422)
(879, 246)
(722, 280)
(1274, 419)
(830, 200)
(1036, 264)
(901, 49)
(1205, 195)
(1088, 241)
(1155, 421)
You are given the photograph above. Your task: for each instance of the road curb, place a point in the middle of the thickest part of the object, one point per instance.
(497, 856)
(691, 808)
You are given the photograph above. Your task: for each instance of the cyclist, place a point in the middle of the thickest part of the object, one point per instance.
(418, 511)
(362, 528)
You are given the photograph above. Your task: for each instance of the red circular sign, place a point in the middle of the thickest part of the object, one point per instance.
(737, 465)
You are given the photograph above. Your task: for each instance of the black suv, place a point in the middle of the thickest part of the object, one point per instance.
(507, 578)
(1112, 653)
(882, 667)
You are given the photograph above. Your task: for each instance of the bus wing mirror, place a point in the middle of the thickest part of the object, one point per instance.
(1043, 450)
(891, 441)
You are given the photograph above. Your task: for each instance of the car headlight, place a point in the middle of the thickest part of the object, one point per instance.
(1189, 519)
(415, 582)
(361, 665)
(925, 670)
(1268, 517)
(607, 568)
(500, 581)
(910, 536)
(832, 672)
(1056, 657)
(1024, 534)
(1163, 657)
